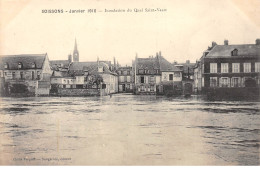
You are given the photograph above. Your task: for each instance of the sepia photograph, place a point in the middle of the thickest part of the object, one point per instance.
(130, 83)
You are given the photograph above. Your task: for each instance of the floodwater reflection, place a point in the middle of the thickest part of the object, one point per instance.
(128, 130)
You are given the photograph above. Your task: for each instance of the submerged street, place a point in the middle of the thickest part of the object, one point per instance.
(128, 130)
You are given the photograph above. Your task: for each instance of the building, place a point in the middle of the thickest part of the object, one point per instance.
(125, 79)
(231, 70)
(86, 76)
(147, 75)
(155, 75)
(171, 77)
(187, 76)
(27, 74)
(60, 65)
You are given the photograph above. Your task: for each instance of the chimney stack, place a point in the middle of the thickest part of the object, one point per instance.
(214, 44)
(257, 41)
(69, 58)
(225, 42)
(160, 54)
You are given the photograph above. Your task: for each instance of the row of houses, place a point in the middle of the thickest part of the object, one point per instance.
(222, 70)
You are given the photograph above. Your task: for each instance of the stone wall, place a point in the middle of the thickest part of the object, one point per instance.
(77, 92)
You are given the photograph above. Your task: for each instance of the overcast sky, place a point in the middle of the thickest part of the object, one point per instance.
(182, 33)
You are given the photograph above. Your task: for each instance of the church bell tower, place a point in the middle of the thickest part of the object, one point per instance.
(75, 53)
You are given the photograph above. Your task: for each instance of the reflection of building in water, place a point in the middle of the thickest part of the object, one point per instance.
(232, 69)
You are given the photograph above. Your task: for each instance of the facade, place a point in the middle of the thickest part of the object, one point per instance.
(147, 75)
(233, 69)
(87, 75)
(26, 74)
(125, 79)
(155, 75)
(171, 77)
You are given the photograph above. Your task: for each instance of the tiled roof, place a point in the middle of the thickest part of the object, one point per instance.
(147, 63)
(245, 50)
(166, 66)
(78, 68)
(27, 61)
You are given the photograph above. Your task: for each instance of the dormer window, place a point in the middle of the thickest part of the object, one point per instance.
(33, 65)
(20, 65)
(100, 69)
(6, 66)
(234, 52)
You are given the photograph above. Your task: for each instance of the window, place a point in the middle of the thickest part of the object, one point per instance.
(100, 69)
(119, 72)
(152, 87)
(213, 67)
(224, 82)
(38, 75)
(13, 75)
(213, 81)
(125, 78)
(5, 73)
(147, 79)
(247, 67)
(121, 78)
(170, 77)
(128, 79)
(128, 72)
(142, 88)
(202, 81)
(257, 67)
(125, 72)
(20, 65)
(6, 66)
(224, 67)
(235, 67)
(33, 65)
(32, 75)
(234, 52)
(177, 74)
(142, 79)
(152, 79)
(21, 75)
(141, 71)
(235, 82)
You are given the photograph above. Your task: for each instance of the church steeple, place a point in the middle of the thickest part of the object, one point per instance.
(75, 52)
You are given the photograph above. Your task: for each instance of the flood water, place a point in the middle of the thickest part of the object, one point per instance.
(128, 130)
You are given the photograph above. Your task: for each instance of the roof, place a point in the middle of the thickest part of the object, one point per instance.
(148, 63)
(166, 66)
(60, 74)
(244, 50)
(188, 67)
(27, 61)
(78, 68)
(57, 62)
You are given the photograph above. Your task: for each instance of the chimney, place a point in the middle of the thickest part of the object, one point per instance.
(175, 62)
(225, 42)
(69, 58)
(160, 54)
(187, 61)
(214, 44)
(257, 41)
(157, 55)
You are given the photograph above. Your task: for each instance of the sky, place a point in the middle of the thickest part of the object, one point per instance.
(181, 33)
